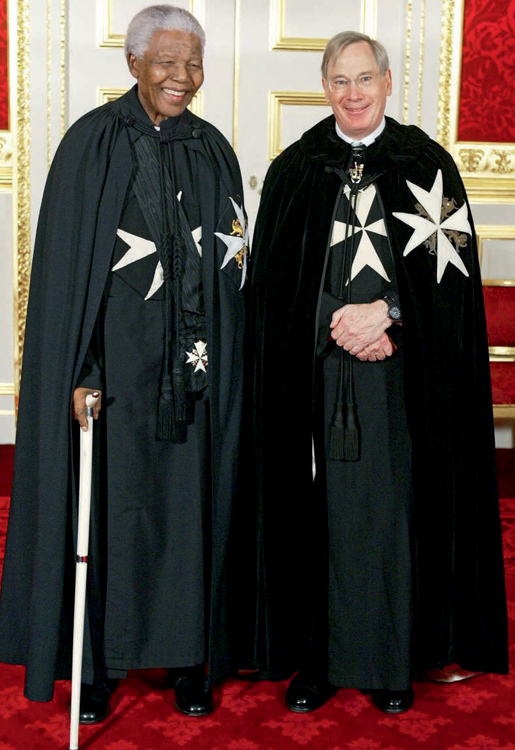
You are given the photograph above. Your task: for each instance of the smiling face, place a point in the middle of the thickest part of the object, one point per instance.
(358, 111)
(169, 74)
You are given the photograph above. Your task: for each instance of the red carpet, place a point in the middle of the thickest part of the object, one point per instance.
(478, 714)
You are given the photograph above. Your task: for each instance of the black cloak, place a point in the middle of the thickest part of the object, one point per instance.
(460, 606)
(81, 208)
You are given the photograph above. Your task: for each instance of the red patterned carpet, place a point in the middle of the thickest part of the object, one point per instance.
(478, 714)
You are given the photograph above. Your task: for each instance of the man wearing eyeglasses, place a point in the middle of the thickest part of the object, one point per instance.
(379, 546)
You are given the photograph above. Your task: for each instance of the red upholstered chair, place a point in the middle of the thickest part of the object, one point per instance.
(500, 317)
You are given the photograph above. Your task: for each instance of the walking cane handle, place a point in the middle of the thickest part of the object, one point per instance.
(91, 400)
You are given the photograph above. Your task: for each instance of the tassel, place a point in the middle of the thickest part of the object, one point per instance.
(179, 394)
(336, 450)
(168, 427)
(344, 437)
(351, 450)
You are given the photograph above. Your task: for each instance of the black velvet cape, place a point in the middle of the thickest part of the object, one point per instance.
(460, 607)
(80, 213)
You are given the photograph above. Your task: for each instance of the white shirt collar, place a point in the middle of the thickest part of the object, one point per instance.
(367, 140)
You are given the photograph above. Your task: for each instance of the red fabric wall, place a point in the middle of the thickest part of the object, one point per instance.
(4, 71)
(487, 94)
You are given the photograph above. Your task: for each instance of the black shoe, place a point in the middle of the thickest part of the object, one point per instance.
(393, 701)
(94, 701)
(192, 697)
(307, 693)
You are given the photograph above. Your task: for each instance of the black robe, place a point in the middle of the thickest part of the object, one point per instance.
(83, 201)
(460, 606)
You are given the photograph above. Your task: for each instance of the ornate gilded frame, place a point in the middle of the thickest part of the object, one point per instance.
(109, 38)
(488, 169)
(279, 40)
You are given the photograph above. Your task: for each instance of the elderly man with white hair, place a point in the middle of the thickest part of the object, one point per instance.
(136, 293)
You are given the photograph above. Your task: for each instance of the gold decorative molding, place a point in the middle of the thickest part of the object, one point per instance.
(369, 17)
(63, 44)
(236, 76)
(19, 30)
(506, 411)
(499, 232)
(8, 390)
(502, 353)
(279, 40)
(447, 65)
(108, 38)
(278, 99)
(407, 62)
(48, 82)
(6, 161)
(109, 95)
(423, 13)
(488, 169)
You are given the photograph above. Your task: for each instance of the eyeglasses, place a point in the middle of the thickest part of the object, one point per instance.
(340, 85)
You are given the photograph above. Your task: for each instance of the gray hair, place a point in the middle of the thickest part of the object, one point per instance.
(159, 18)
(339, 42)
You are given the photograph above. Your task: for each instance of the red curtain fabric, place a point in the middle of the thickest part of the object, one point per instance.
(4, 68)
(488, 72)
(500, 319)
(503, 382)
(500, 315)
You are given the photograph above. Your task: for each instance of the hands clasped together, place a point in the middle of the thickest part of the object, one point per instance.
(360, 330)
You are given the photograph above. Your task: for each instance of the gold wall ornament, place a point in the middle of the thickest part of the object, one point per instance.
(109, 38)
(276, 101)
(487, 169)
(504, 161)
(19, 36)
(470, 159)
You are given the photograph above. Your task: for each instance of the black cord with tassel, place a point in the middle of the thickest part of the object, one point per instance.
(172, 409)
(344, 428)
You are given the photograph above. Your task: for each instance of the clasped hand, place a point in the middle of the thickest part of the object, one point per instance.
(360, 330)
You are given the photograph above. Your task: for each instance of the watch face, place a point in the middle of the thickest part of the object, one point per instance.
(394, 312)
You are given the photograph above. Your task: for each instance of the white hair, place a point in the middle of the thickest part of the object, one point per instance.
(159, 18)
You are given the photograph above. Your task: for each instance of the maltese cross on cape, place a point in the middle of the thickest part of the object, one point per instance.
(435, 226)
(369, 232)
(237, 242)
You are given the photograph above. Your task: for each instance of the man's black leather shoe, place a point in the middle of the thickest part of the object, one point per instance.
(307, 693)
(393, 701)
(192, 697)
(94, 701)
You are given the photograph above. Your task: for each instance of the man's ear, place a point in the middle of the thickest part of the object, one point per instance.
(133, 63)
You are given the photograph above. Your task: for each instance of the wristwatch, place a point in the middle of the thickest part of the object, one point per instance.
(394, 310)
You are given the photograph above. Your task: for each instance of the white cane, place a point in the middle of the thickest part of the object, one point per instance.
(81, 570)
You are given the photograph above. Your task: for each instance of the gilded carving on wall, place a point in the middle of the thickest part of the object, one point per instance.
(21, 21)
(487, 165)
